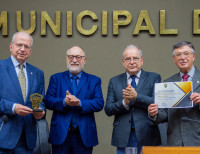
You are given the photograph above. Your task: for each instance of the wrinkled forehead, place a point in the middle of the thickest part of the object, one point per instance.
(131, 52)
(22, 35)
(75, 51)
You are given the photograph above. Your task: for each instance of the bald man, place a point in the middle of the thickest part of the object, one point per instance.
(74, 96)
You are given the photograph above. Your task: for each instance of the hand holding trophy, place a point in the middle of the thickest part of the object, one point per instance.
(36, 99)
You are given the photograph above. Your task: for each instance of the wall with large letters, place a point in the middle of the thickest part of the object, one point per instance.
(103, 28)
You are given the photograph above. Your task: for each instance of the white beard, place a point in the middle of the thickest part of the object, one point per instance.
(76, 69)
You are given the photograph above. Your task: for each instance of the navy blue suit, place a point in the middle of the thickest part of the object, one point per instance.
(146, 132)
(90, 94)
(10, 93)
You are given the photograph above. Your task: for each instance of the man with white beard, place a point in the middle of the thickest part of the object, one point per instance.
(74, 96)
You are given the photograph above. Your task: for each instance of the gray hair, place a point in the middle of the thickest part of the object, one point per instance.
(14, 36)
(183, 43)
(132, 46)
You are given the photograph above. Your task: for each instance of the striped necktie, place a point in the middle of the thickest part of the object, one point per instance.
(22, 81)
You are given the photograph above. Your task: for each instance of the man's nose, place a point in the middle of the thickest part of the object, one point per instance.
(23, 48)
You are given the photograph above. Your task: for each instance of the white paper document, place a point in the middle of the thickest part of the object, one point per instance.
(173, 94)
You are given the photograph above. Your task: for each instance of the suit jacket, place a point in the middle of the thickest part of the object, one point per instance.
(90, 94)
(183, 124)
(147, 133)
(10, 93)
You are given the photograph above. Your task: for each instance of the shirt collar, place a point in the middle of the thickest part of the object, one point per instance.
(16, 63)
(78, 75)
(137, 75)
(190, 73)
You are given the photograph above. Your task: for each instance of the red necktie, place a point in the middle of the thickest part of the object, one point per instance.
(185, 77)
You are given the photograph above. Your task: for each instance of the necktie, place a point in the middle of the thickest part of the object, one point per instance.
(22, 81)
(74, 88)
(185, 77)
(74, 84)
(133, 84)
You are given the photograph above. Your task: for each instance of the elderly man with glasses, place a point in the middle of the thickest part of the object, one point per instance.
(183, 123)
(129, 95)
(18, 80)
(74, 96)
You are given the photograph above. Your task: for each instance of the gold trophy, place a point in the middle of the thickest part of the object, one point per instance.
(36, 99)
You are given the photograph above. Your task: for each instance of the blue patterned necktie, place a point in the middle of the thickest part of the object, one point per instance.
(133, 83)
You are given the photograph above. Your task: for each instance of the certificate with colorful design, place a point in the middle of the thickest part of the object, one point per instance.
(173, 94)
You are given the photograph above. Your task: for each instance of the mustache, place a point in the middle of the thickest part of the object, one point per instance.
(76, 63)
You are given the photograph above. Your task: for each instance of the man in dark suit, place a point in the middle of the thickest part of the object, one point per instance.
(129, 95)
(74, 96)
(18, 81)
(183, 123)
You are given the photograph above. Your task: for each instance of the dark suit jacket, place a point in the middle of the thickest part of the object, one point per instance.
(183, 124)
(147, 133)
(89, 92)
(10, 93)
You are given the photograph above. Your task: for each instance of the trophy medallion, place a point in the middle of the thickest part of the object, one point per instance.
(36, 99)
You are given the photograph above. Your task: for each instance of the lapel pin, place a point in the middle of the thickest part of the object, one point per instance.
(197, 81)
(31, 73)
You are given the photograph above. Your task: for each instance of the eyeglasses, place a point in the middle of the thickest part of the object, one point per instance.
(19, 45)
(128, 59)
(78, 58)
(186, 54)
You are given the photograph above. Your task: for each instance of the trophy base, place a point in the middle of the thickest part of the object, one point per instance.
(37, 110)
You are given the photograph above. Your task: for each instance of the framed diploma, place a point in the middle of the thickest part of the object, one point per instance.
(173, 94)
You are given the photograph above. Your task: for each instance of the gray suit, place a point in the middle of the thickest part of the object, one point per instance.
(147, 133)
(183, 124)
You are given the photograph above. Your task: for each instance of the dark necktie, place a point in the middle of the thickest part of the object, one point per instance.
(133, 84)
(22, 81)
(185, 77)
(74, 84)
(74, 88)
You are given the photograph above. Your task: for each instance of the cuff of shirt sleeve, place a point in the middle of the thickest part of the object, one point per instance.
(13, 108)
(126, 106)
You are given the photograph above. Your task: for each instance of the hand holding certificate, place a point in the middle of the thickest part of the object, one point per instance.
(173, 94)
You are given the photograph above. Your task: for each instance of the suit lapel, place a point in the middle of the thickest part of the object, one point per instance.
(142, 79)
(196, 79)
(30, 74)
(177, 77)
(13, 75)
(68, 81)
(124, 80)
(83, 79)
